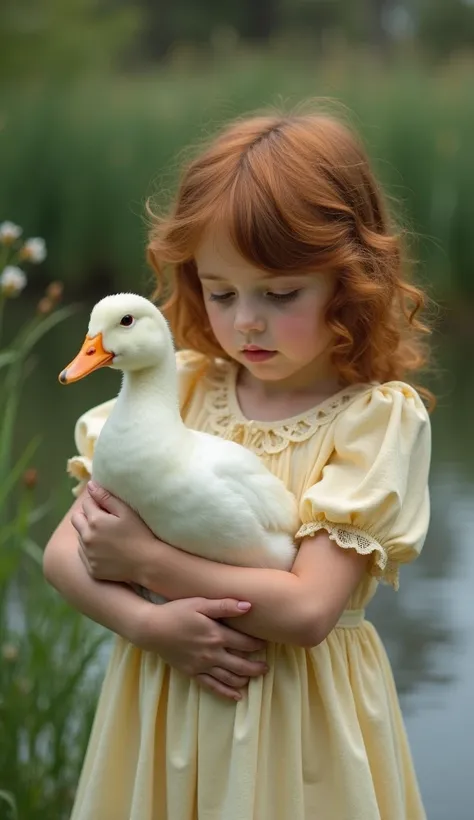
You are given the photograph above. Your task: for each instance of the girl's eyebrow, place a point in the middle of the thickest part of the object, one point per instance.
(215, 277)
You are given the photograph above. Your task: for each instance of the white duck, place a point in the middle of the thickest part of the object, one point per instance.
(196, 491)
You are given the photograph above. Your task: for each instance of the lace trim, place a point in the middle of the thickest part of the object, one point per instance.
(262, 437)
(348, 537)
(80, 468)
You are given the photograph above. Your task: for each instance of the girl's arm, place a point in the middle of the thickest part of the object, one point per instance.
(112, 605)
(299, 607)
(186, 634)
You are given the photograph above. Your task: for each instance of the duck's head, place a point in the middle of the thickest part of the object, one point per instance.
(126, 332)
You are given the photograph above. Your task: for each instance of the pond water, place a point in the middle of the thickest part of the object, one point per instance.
(427, 627)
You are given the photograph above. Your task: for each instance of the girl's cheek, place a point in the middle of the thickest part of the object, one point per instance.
(212, 315)
(297, 328)
(221, 327)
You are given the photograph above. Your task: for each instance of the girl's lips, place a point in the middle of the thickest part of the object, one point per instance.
(259, 355)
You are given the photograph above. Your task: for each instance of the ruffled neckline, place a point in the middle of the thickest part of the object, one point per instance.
(321, 409)
(226, 419)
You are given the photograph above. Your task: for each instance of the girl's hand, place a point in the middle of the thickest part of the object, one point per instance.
(187, 636)
(113, 540)
(111, 536)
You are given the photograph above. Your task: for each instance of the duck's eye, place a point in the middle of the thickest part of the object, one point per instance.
(127, 321)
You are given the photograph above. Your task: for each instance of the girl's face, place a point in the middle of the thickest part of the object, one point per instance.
(280, 314)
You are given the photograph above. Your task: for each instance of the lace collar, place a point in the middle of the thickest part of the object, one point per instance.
(225, 418)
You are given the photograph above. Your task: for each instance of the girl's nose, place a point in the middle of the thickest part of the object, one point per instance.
(247, 320)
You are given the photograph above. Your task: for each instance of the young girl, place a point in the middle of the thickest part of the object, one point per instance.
(296, 329)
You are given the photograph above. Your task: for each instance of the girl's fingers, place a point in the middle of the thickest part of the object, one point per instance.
(229, 678)
(105, 500)
(217, 687)
(87, 505)
(241, 642)
(242, 667)
(78, 520)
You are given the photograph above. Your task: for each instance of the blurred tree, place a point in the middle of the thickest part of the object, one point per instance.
(61, 39)
(377, 11)
(313, 17)
(261, 19)
(53, 37)
(445, 26)
(188, 21)
(364, 23)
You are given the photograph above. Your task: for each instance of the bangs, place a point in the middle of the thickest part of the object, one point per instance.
(260, 232)
(270, 220)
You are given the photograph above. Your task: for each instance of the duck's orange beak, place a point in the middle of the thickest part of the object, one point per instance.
(90, 357)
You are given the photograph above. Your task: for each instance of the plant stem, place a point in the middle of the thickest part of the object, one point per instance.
(2, 304)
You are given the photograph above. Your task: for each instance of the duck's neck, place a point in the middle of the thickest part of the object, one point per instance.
(152, 390)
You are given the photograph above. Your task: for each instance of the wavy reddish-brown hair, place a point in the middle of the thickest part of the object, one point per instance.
(296, 193)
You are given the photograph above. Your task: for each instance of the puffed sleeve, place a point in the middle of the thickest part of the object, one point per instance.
(88, 426)
(86, 433)
(372, 495)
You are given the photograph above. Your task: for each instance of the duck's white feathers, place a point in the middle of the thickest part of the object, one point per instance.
(203, 494)
(196, 491)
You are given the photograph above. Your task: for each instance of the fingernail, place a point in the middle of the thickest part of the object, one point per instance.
(244, 605)
(237, 697)
(91, 485)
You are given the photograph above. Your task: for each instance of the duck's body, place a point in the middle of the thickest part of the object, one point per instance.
(196, 491)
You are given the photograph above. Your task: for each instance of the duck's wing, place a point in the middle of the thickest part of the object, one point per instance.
(245, 474)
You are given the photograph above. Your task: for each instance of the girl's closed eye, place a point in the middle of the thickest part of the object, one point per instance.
(220, 297)
(288, 296)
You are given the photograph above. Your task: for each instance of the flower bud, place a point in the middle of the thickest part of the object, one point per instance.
(54, 291)
(44, 306)
(30, 478)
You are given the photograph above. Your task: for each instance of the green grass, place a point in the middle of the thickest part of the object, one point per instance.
(49, 676)
(49, 654)
(77, 162)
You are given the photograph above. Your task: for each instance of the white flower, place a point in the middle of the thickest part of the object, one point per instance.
(12, 281)
(9, 232)
(34, 250)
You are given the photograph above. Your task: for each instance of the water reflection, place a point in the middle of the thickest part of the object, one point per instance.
(414, 623)
(427, 626)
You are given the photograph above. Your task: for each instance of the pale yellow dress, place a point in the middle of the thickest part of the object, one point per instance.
(321, 736)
